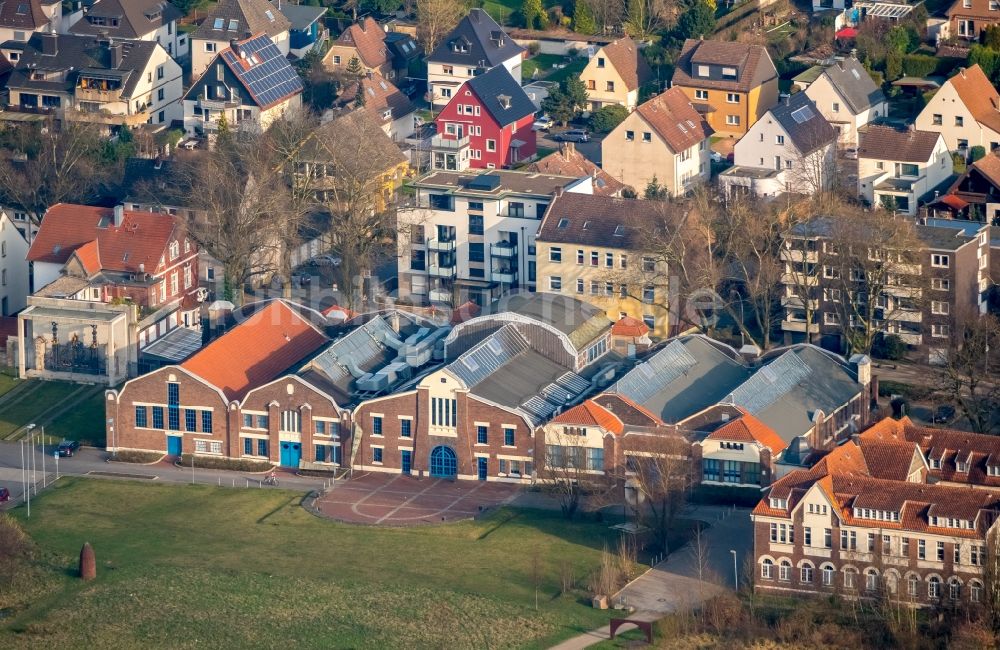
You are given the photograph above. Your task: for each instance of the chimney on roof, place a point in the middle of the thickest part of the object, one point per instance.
(863, 366)
(749, 352)
(961, 71)
(119, 215)
(558, 192)
(363, 24)
(114, 55)
(474, 15)
(567, 149)
(854, 53)
(49, 43)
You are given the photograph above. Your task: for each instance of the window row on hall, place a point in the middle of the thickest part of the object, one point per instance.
(290, 422)
(871, 581)
(730, 471)
(569, 457)
(260, 448)
(405, 426)
(890, 545)
(168, 418)
(483, 435)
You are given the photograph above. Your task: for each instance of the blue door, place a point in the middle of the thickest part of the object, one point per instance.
(291, 454)
(443, 462)
(405, 461)
(174, 445)
(482, 468)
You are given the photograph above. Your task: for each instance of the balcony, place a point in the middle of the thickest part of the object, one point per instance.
(443, 245)
(98, 95)
(217, 104)
(503, 250)
(797, 279)
(797, 302)
(504, 277)
(906, 315)
(450, 143)
(799, 326)
(795, 255)
(441, 271)
(910, 339)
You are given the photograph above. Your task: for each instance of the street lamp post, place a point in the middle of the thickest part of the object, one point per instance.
(31, 456)
(736, 575)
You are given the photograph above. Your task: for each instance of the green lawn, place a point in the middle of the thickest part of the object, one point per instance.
(542, 63)
(197, 566)
(84, 422)
(572, 69)
(32, 404)
(501, 10)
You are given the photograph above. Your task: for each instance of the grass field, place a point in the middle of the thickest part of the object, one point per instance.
(542, 63)
(196, 566)
(572, 69)
(84, 422)
(501, 10)
(32, 404)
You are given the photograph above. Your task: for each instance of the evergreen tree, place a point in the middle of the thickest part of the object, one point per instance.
(583, 19)
(354, 68)
(697, 21)
(359, 96)
(564, 102)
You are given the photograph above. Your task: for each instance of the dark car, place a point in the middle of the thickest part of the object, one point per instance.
(4, 494)
(944, 414)
(68, 447)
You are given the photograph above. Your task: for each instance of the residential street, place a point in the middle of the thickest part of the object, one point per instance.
(91, 462)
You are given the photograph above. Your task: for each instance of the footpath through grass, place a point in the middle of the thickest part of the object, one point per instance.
(197, 566)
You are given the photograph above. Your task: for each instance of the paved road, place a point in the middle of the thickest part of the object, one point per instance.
(592, 149)
(92, 462)
(686, 578)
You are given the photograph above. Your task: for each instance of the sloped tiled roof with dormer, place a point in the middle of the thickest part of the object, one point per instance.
(477, 41)
(240, 19)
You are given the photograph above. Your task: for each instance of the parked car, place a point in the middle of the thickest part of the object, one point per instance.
(4, 494)
(543, 123)
(326, 260)
(68, 447)
(944, 414)
(573, 135)
(716, 157)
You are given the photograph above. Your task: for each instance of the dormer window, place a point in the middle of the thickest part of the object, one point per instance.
(935, 463)
(729, 73)
(961, 466)
(702, 70)
(780, 504)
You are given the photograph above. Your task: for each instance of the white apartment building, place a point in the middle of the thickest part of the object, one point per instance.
(899, 169)
(471, 236)
(790, 149)
(476, 45)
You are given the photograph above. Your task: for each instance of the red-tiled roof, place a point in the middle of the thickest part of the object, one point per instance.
(672, 115)
(368, 38)
(590, 413)
(256, 351)
(628, 411)
(90, 257)
(628, 326)
(978, 95)
(141, 240)
(747, 428)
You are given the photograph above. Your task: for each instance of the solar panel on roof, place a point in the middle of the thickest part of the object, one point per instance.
(270, 78)
(803, 114)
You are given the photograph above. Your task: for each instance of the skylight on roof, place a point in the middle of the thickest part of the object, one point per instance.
(471, 364)
(270, 15)
(219, 23)
(854, 72)
(384, 87)
(563, 223)
(22, 9)
(234, 25)
(619, 230)
(681, 127)
(767, 373)
(586, 224)
(494, 347)
(803, 114)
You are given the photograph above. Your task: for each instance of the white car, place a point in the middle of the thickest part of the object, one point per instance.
(544, 123)
(716, 157)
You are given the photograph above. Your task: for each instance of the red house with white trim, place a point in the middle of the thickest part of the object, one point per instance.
(487, 124)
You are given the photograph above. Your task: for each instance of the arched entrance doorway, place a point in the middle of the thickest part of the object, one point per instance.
(444, 464)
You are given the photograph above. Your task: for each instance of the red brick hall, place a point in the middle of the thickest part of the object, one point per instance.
(509, 370)
(278, 386)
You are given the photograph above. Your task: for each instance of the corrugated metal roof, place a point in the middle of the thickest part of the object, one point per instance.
(489, 355)
(647, 378)
(770, 383)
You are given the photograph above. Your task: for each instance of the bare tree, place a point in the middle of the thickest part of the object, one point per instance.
(565, 475)
(283, 144)
(236, 204)
(749, 238)
(991, 578)
(643, 18)
(968, 372)
(676, 260)
(354, 170)
(42, 165)
(662, 479)
(435, 18)
(872, 261)
(608, 14)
